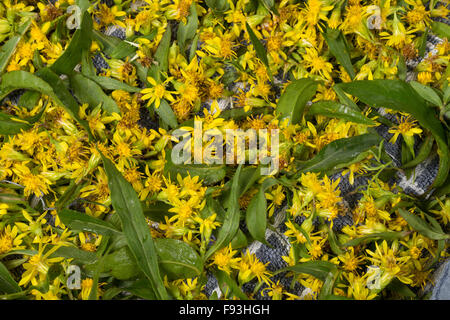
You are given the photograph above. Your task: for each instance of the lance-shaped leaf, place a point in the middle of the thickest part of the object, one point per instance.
(46, 82)
(340, 152)
(121, 264)
(293, 101)
(9, 125)
(339, 48)
(421, 226)
(69, 195)
(162, 53)
(80, 42)
(78, 255)
(427, 93)
(338, 110)
(230, 224)
(7, 283)
(228, 284)
(126, 203)
(166, 114)
(177, 259)
(256, 215)
(441, 29)
(8, 49)
(318, 269)
(390, 235)
(29, 99)
(63, 97)
(259, 49)
(111, 83)
(399, 95)
(187, 31)
(87, 91)
(84, 222)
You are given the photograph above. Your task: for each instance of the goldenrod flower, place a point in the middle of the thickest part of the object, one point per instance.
(406, 127)
(156, 93)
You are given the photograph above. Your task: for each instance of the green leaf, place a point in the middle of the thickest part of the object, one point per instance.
(259, 49)
(43, 81)
(187, 31)
(178, 259)
(423, 43)
(23, 80)
(210, 174)
(427, 93)
(10, 126)
(423, 153)
(229, 285)
(166, 113)
(7, 283)
(293, 101)
(270, 5)
(390, 235)
(8, 49)
(327, 287)
(339, 48)
(193, 49)
(69, 195)
(87, 91)
(126, 203)
(141, 288)
(83, 4)
(399, 95)
(231, 223)
(239, 240)
(157, 211)
(441, 29)
(121, 264)
(108, 43)
(218, 6)
(122, 50)
(421, 226)
(112, 84)
(80, 42)
(338, 110)
(78, 255)
(340, 152)
(318, 269)
(256, 215)
(63, 97)
(162, 53)
(29, 99)
(84, 222)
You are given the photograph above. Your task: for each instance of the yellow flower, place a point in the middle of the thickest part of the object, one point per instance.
(250, 267)
(350, 260)
(317, 63)
(10, 240)
(224, 259)
(3, 209)
(89, 242)
(107, 16)
(35, 184)
(388, 259)
(293, 232)
(406, 128)
(37, 266)
(156, 93)
(399, 37)
(207, 225)
(357, 287)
